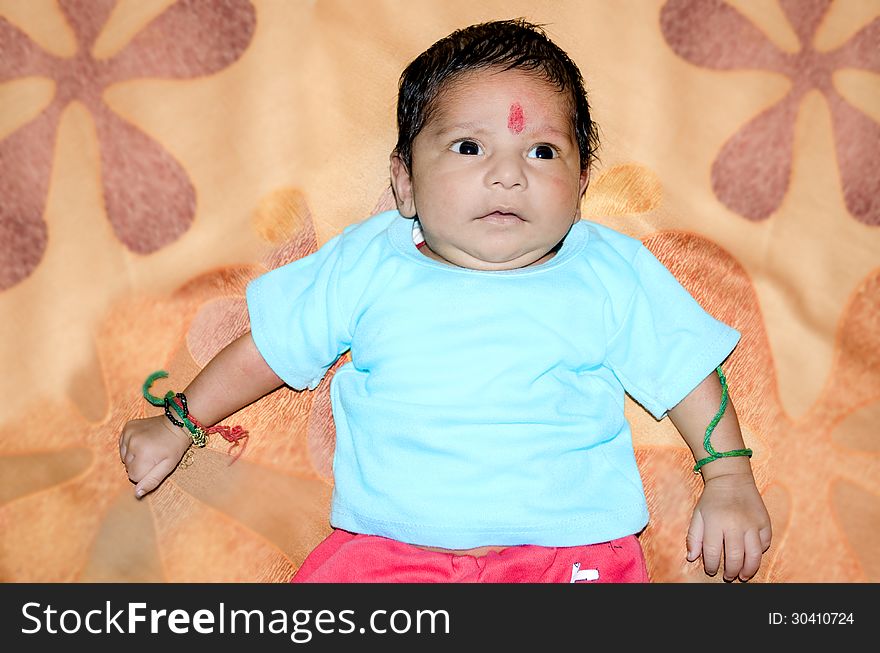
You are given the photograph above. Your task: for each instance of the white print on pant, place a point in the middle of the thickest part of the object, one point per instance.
(586, 574)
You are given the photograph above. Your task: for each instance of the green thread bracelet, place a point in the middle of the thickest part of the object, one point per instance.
(175, 403)
(715, 455)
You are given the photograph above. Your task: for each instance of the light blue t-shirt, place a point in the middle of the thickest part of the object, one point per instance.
(479, 407)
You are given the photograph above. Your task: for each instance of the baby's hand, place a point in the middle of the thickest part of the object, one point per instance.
(730, 517)
(150, 449)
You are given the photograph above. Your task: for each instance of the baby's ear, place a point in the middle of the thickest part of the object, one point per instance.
(401, 184)
(582, 185)
(584, 180)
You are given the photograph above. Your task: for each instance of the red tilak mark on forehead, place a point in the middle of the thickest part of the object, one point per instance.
(516, 121)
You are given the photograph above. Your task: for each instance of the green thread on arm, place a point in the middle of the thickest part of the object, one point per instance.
(715, 455)
(198, 434)
(161, 374)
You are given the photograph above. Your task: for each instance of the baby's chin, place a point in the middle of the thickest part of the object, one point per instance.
(493, 261)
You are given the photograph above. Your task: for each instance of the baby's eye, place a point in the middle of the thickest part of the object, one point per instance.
(542, 152)
(469, 148)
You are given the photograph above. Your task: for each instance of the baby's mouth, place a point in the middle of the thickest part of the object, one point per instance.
(501, 217)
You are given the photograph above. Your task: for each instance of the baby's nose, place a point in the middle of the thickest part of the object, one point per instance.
(506, 172)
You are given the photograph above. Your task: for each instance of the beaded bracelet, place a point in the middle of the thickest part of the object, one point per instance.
(715, 455)
(176, 403)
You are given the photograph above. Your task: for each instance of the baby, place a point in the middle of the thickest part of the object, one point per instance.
(480, 430)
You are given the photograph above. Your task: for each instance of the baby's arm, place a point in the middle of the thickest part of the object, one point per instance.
(151, 448)
(730, 515)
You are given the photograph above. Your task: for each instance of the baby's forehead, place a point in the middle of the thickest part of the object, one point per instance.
(514, 89)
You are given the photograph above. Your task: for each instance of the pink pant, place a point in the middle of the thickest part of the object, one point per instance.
(345, 557)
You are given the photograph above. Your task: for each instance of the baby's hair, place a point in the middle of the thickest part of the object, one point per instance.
(505, 45)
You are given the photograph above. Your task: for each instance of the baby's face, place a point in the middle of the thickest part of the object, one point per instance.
(496, 180)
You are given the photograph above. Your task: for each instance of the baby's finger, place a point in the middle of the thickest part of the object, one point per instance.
(765, 535)
(137, 468)
(734, 553)
(695, 537)
(713, 544)
(155, 476)
(752, 559)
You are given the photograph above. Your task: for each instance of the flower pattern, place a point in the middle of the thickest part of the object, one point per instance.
(805, 468)
(149, 198)
(68, 512)
(751, 173)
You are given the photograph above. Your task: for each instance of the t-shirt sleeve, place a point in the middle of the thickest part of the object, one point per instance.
(297, 322)
(665, 344)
